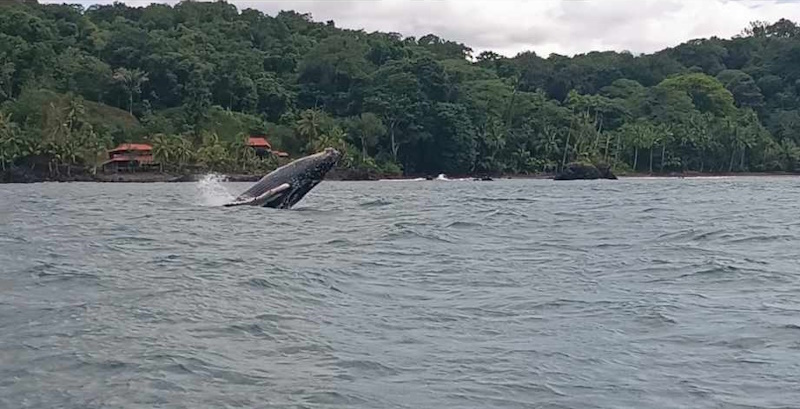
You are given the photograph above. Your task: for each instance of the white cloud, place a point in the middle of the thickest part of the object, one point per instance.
(544, 26)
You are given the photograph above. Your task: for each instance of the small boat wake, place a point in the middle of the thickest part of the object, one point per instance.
(211, 191)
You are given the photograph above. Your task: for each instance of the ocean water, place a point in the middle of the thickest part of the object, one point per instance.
(637, 293)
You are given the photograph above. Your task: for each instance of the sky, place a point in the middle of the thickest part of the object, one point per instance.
(508, 27)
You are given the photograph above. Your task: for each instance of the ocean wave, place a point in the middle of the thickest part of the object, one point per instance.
(378, 295)
(375, 203)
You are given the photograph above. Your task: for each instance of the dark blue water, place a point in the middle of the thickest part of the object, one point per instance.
(509, 294)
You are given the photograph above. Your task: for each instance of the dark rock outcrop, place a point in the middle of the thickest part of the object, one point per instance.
(188, 177)
(605, 171)
(585, 171)
(26, 174)
(353, 174)
(17, 174)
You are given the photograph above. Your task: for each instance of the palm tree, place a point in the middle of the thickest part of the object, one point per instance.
(700, 135)
(750, 131)
(494, 140)
(629, 133)
(10, 141)
(654, 138)
(163, 148)
(7, 71)
(242, 154)
(5, 139)
(547, 143)
(131, 81)
(333, 138)
(789, 153)
(94, 148)
(521, 158)
(212, 154)
(566, 145)
(581, 120)
(76, 137)
(639, 134)
(666, 136)
(733, 134)
(310, 124)
(184, 151)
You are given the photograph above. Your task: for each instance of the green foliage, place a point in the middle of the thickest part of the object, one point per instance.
(455, 149)
(707, 93)
(366, 128)
(212, 154)
(389, 168)
(58, 129)
(229, 125)
(743, 88)
(172, 151)
(11, 144)
(196, 78)
(131, 82)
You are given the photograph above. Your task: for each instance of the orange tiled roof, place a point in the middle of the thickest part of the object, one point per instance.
(258, 142)
(125, 147)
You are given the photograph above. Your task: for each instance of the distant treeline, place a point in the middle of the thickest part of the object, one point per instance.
(196, 78)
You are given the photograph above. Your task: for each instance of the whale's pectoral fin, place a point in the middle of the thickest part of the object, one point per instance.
(270, 194)
(263, 198)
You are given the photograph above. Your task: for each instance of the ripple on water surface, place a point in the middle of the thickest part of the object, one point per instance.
(656, 293)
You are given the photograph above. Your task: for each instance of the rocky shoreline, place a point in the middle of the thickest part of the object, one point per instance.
(585, 171)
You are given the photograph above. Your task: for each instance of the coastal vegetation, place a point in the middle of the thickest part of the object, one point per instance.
(195, 79)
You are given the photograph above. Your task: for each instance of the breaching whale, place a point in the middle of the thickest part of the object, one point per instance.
(285, 186)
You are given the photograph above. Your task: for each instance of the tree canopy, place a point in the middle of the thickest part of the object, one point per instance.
(194, 79)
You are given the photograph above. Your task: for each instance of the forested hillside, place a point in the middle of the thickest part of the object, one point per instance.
(193, 79)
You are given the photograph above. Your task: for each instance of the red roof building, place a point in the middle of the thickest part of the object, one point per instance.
(130, 147)
(259, 142)
(263, 147)
(129, 156)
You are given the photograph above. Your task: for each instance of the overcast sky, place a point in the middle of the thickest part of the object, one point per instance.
(544, 26)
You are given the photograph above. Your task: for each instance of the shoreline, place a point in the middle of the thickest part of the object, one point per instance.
(692, 175)
(344, 176)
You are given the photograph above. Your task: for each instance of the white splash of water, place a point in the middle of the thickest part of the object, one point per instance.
(442, 176)
(211, 191)
(402, 180)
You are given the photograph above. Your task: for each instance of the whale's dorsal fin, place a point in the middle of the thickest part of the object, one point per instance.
(261, 199)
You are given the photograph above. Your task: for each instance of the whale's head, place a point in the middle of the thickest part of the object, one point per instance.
(316, 166)
(287, 185)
